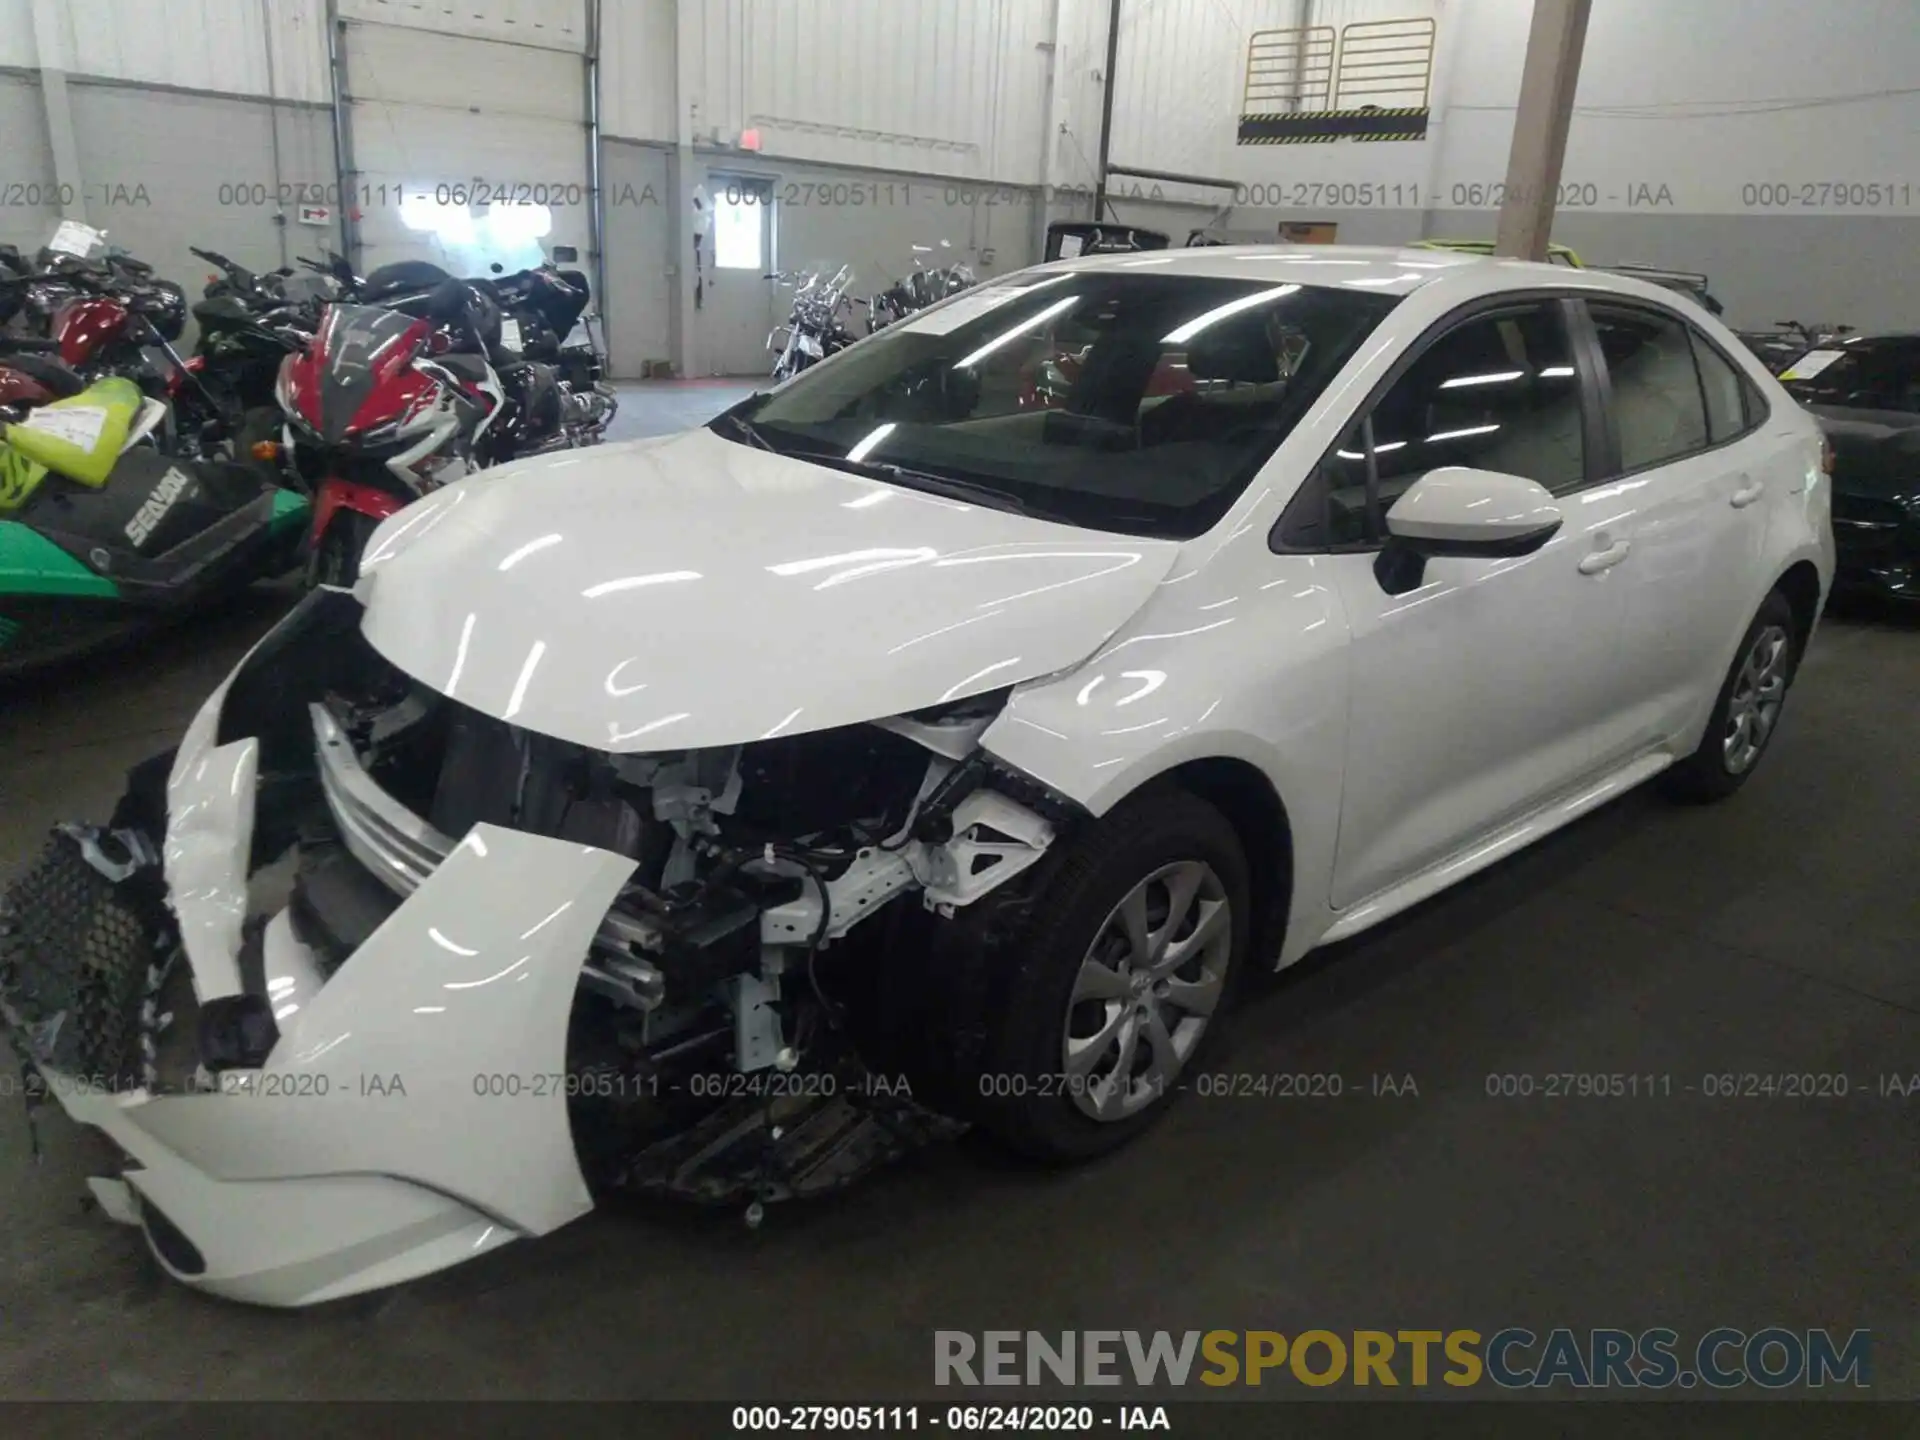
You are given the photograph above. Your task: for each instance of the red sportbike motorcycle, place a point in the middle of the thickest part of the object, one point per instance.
(385, 405)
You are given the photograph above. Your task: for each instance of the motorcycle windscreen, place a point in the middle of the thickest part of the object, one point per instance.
(365, 349)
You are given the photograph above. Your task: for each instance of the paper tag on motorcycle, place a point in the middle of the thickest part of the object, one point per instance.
(70, 237)
(1810, 364)
(75, 424)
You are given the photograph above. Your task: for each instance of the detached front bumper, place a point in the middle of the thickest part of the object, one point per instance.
(411, 1112)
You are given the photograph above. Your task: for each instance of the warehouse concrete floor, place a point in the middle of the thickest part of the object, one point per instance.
(1779, 932)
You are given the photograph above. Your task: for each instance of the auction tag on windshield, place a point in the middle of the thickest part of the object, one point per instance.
(70, 237)
(75, 424)
(510, 332)
(1810, 364)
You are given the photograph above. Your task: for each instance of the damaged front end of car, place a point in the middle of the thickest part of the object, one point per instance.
(364, 982)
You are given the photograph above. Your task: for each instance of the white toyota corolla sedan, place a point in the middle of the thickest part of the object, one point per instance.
(969, 712)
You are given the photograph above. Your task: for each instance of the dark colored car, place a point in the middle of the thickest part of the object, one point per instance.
(1866, 392)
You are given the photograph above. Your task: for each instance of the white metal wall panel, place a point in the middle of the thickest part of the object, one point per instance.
(548, 24)
(442, 121)
(1772, 107)
(34, 199)
(448, 72)
(16, 35)
(220, 45)
(1181, 70)
(942, 87)
(1079, 85)
(637, 40)
(168, 171)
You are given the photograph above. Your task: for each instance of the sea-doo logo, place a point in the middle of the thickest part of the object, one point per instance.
(154, 508)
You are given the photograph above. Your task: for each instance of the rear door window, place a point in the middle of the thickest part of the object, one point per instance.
(1659, 408)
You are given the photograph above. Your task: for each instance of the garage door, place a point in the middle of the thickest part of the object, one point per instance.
(469, 150)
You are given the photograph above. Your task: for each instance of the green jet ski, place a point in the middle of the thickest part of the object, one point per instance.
(102, 536)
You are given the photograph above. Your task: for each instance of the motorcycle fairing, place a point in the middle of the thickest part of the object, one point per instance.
(360, 351)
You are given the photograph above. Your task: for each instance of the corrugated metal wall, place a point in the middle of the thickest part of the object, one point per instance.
(637, 41)
(939, 87)
(240, 47)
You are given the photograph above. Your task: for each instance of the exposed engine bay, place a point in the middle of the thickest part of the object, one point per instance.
(716, 975)
(727, 1038)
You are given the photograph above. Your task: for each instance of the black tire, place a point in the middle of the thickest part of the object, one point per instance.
(1711, 772)
(336, 558)
(1022, 1091)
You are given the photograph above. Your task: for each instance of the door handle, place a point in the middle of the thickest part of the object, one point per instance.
(1749, 491)
(1604, 559)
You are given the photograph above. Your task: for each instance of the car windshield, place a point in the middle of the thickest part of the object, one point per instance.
(1108, 399)
(1865, 375)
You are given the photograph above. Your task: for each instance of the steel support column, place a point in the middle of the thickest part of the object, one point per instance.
(51, 54)
(1540, 125)
(343, 134)
(596, 201)
(1108, 82)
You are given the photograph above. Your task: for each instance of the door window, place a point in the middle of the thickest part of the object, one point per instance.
(741, 213)
(1658, 405)
(1720, 383)
(1498, 392)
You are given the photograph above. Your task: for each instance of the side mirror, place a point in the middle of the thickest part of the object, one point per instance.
(1457, 511)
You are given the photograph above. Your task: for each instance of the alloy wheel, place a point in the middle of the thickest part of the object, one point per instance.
(1753, 707)
(1147, 990)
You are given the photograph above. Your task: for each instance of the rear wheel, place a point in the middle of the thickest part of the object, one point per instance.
(1747, 711)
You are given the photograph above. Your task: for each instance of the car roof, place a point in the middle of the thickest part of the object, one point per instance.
(1383, 269)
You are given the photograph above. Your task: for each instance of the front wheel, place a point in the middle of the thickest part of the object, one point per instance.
(1120, 979)
(1747, 711)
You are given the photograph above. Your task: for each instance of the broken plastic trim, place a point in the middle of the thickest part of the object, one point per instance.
(297, 662)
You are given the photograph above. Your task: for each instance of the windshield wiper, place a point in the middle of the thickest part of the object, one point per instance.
(744, 428)
(947, 485)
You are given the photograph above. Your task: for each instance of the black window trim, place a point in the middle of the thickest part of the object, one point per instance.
(1596, 362)
(1592, 419)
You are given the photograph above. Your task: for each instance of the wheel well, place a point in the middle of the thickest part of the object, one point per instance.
(1247, 798)
(1801, 586)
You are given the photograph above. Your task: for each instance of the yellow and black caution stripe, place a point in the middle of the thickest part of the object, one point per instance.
(1314, 127)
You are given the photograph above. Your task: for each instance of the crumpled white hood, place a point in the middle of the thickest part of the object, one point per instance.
(696, 592)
